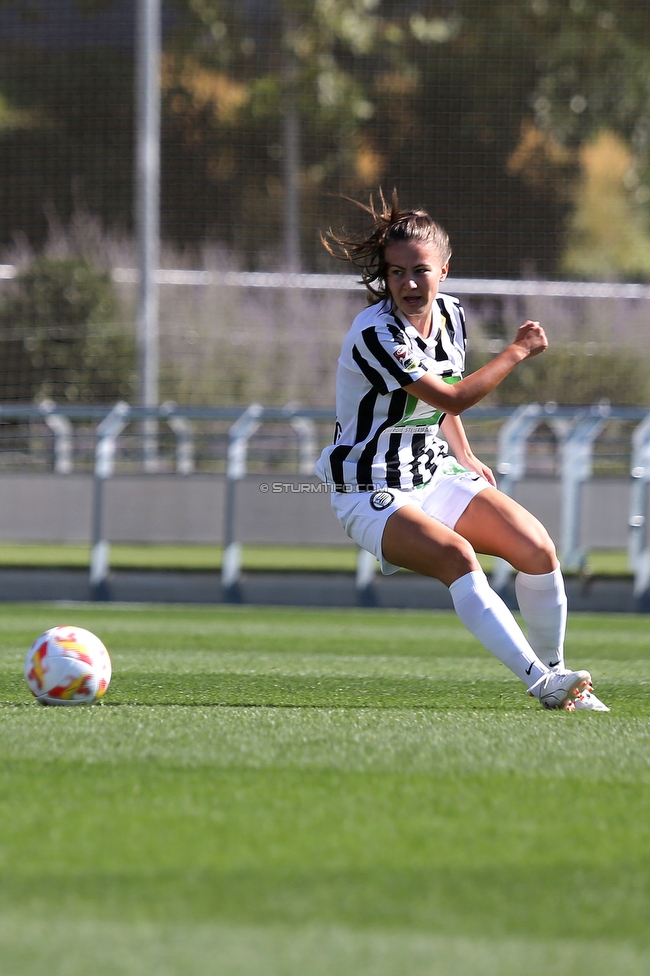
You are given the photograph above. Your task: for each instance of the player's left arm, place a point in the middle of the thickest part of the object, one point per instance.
(454, 433)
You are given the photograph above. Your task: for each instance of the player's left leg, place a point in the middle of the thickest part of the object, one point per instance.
(425, 544)
(498, 526)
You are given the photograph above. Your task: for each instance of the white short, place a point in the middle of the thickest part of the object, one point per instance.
(364, 514)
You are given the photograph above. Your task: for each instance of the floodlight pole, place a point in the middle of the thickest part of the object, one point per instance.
(290, 148)
(148, 46)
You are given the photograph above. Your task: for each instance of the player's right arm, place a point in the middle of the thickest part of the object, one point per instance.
(455, 398)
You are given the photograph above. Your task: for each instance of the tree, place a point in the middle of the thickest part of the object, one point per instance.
(586, 135)
(477, 110)
(608, 231)
(234, 83)
(62, 336)
(386, 93)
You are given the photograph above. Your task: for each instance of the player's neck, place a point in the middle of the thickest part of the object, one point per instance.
(422, 323)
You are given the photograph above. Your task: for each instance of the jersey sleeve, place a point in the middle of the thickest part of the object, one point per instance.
(462, 338)
(451, 345)
(387, 357)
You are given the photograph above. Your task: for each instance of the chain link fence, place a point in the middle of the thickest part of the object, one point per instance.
(523, 126)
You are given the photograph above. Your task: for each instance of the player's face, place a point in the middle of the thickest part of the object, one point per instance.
(414, 271)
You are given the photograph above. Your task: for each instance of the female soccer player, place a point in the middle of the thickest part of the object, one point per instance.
(399, 492)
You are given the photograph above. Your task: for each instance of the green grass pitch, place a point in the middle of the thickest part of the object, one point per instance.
(274, 792)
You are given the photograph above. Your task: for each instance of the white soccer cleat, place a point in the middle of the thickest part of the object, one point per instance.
(587, 702)
(561, 690)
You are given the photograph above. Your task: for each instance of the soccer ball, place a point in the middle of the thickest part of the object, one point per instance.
(67, 666)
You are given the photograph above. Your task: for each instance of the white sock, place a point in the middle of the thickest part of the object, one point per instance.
(487, 617)
(542, 601)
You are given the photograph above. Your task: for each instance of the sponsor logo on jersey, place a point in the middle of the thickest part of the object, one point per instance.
(405, 358)
(379, 500)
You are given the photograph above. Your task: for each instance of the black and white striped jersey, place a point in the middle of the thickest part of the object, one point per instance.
(385, 437)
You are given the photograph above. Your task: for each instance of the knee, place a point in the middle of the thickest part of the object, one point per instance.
(459, 559)
(538, 555)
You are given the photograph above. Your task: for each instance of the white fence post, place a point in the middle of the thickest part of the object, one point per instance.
(365, 575)
(107, 433)
(305, 428)
(511, 467)
(577, 453)
(638, 552)
(238, 437)
(182, 430)
(62, 430)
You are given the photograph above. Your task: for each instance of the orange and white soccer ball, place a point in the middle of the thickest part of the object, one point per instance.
(67, 666)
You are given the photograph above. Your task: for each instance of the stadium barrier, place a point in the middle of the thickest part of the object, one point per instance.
(235, 507)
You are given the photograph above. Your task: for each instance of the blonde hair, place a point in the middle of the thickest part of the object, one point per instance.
(366, 250)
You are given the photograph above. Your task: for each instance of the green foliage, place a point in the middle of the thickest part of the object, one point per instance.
(71, 128)
(609, 230)
(593, 69)
(62, 335)
(358, 73)
(590, 100)
(435, 98)
(575, 375)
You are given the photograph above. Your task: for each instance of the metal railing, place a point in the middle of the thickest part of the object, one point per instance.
(576, 431)
(343, 282)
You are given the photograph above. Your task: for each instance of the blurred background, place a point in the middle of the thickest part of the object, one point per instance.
(522, 125)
